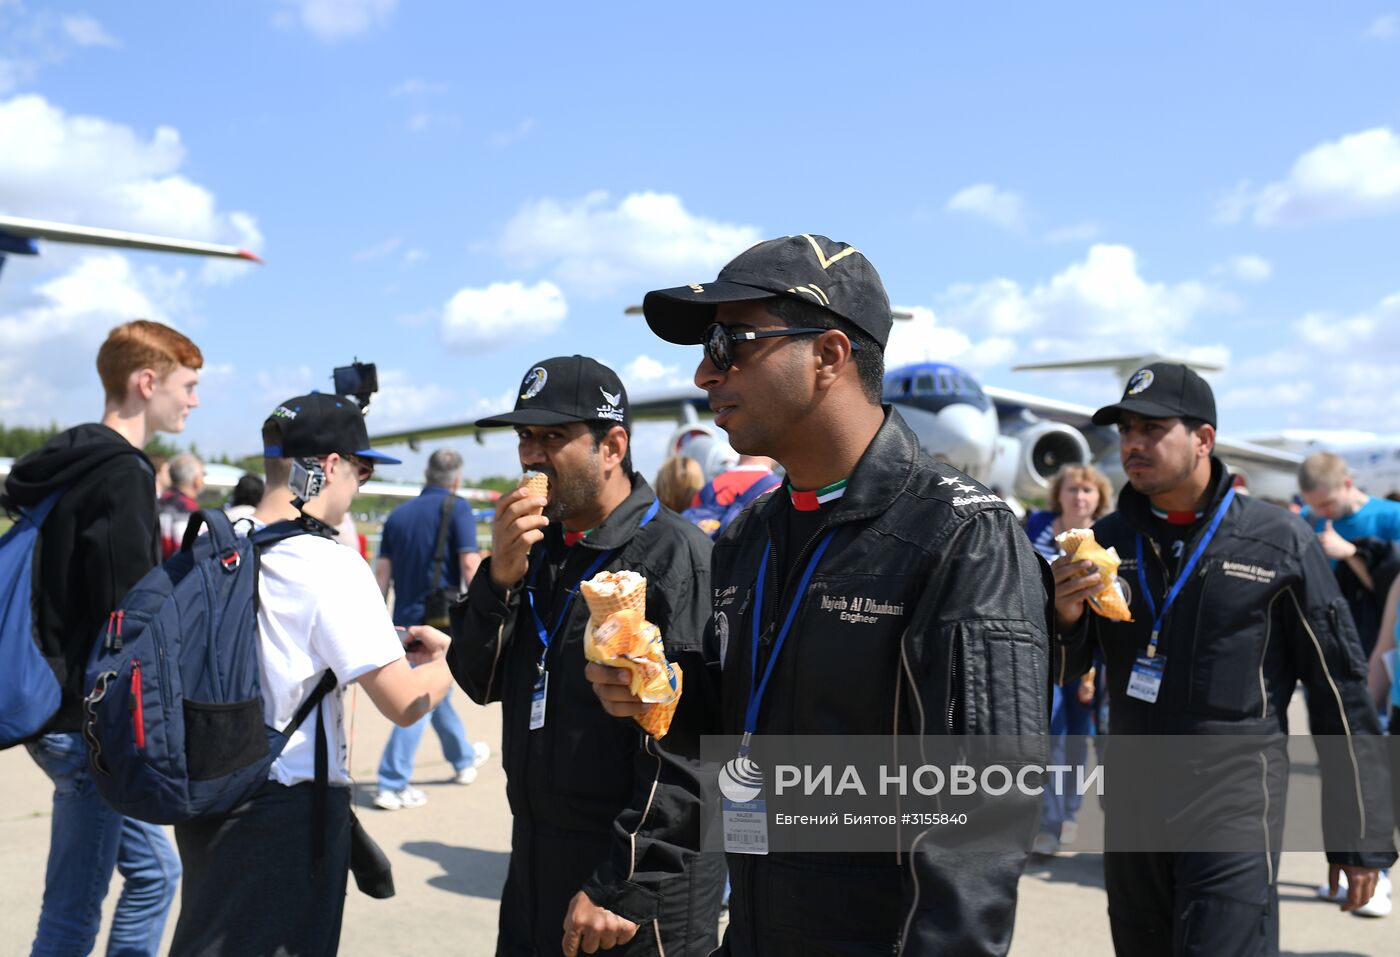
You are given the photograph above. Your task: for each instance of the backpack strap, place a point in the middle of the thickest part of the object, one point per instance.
(220, 533)
(322, 783)
(435, 573)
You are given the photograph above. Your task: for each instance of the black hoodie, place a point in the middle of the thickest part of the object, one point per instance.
(99, 540)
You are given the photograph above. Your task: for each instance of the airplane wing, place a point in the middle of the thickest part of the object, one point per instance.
(416, 437)
(20, 232)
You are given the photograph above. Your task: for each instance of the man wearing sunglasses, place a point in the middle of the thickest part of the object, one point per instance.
(956, 639)
(606, 825)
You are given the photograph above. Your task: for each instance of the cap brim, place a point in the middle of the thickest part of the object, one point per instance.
(681, 315)
(1109, 414)
(529, 417)
(374, 455)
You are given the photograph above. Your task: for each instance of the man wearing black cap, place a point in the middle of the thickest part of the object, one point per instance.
(794, 331)
(251, 886)
(1233, 604)
(606, 831)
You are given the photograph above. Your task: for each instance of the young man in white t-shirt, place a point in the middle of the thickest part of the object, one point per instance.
(257, 881)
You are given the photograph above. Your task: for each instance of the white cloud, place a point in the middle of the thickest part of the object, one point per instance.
(1076, 233)
(482, 319)
(514, 135)
(924, 339)
(1325, 372)
(1104, 296)
(417, 86)
(405, 401)
(92, 171)
(1385, 27)
(332, 20)
(86, 31)
(1248, 268)
(1352, 177)
(69, 315)
(985, 201)
(594, 247)
(645, 374)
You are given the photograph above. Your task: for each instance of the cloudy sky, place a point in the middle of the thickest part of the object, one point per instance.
(455, 190)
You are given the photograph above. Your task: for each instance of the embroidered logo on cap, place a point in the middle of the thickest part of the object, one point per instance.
(1140, 382)
(534, 382)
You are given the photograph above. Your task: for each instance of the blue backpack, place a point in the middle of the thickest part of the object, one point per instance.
(712, 518)
(29, 690)
(174, 721)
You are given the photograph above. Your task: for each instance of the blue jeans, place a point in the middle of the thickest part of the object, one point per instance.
(1071, 723)
(396, 766)
(87, 839)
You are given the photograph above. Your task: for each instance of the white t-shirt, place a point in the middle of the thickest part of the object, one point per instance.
(319, 608)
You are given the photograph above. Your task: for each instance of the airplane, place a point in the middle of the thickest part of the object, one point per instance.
(1011, 441)
(1373, 460)
(20, 237)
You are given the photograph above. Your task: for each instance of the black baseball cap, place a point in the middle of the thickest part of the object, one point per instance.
(1163, 390)
(567, 389)
(835, 276)
(319, 424)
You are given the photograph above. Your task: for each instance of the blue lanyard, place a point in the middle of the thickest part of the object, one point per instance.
(547, 635)
(756, 693)
(1159, 617)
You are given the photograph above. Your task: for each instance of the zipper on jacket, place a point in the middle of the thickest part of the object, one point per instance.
(107, 638)
(953, 683)
(117, 644)
(138, 714)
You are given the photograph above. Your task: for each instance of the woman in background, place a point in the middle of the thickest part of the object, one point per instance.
(678, 482)
(1079, 495)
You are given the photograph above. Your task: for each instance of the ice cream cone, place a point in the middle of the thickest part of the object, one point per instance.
(608, 593)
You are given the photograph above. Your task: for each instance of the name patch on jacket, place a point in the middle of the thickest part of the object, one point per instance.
(1250, 573)
(861, 610)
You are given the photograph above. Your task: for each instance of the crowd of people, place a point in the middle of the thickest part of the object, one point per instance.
(979, 625)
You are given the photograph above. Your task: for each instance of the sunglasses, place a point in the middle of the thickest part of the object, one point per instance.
(364, 471)
(719, 342)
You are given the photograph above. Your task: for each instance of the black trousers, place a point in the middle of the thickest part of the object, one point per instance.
(548, 866)
(252, 887)
(1180, 904)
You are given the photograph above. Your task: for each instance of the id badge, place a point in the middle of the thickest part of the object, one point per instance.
(1146, 679)
(744, 810)
(537, 701)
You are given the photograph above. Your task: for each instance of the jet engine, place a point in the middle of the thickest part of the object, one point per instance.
(1028, 457)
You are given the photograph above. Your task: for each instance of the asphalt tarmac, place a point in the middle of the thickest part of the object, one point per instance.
(450, 859)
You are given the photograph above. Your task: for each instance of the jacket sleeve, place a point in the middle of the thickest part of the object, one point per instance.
(656, 838)
(123, 543)
(976, 662)
(1326, 652)
(483, 625)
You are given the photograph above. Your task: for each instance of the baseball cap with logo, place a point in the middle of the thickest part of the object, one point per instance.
(1163, 390)
(567, 389)
(835, 276)
(319, 424)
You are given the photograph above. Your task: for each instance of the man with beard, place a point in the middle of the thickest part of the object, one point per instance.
(1232, 605)
(794, 332)
(606, 831)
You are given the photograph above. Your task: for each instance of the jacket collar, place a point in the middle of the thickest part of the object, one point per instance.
(1136, 508)
(621, 524)
(883, 472)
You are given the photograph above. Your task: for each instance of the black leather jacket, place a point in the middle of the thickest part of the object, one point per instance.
(959, 644)
(585, 773)
(1260, 612)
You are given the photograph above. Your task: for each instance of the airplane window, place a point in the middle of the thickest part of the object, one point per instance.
(895, 388)
(968, 386)
(923, 385)
(945, 384)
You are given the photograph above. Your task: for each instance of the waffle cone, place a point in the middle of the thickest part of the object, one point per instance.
(537, 483)
(627, 640)
(1108, 600)
(600, 607)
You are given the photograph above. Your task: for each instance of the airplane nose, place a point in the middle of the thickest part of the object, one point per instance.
(960, 434)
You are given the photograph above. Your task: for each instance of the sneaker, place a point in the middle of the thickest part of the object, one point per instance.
(1341, 895)
(1069, 832)
(394, 800)
(481, 753)
(1379, 905)
(1045, 845)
